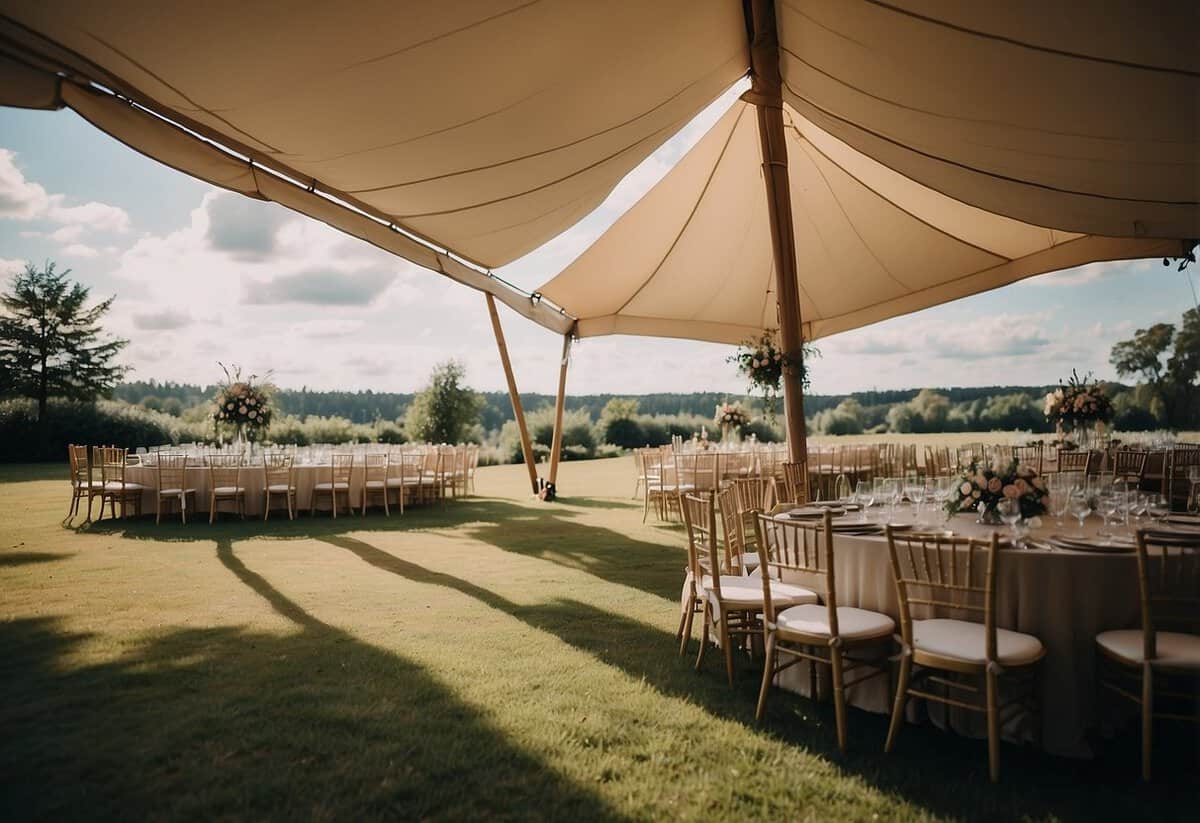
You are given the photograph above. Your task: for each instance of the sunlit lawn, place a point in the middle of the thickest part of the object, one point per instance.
(496, 657)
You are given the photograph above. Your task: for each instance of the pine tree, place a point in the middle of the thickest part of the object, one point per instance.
(51, 344)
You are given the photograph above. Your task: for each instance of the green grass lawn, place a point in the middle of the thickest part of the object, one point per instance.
(496, 656)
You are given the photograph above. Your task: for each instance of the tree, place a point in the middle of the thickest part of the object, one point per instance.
(1168, 361)
(443, 411)
(51, 344)
(1144, 356)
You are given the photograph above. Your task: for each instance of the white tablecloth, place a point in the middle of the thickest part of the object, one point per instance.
(254, 481)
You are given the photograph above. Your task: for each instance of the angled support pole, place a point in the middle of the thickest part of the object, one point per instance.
(559, 404)
(518, 411)
(767, 96)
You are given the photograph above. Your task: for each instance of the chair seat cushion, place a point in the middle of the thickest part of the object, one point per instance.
(750, 561)
(737, 591)
(222, 491)
(374, 484)
(114, 486)
(175, 492)
(966, 641)
(853, 624)
(395, 482)
(324, 487)
(1174, 650)
(279, 487)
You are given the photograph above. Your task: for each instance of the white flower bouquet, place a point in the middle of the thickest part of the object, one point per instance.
(981, 488)
(1078, 404)
(242, 404)
(732, 415)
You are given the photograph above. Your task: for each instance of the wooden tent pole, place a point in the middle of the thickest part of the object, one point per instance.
(559, 403)
(518, 412)
(766, 94)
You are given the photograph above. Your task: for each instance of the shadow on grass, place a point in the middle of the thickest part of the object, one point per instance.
(30, 472)
(546, 532)
(610, 503)
(230, 723)
(943, 773)
(28, 558)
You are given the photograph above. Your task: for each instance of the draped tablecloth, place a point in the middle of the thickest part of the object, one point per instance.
(1064, 598)
(253, 480)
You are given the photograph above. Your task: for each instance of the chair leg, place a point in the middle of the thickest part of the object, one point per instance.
(898, 703)
(183, 508)
(158, 511)
(386, 511)
(767, 678)
(1147, 719)
(266, 505)
(727, 647)
(290, 506)
(703, 634)
(212, 509)
(839, 697)
(993, 728)
(92, 497)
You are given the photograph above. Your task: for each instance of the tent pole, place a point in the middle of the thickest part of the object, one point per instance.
(560, 402)
(766, 95)
(518, 412)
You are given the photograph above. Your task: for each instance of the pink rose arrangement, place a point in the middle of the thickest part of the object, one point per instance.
(732, 415)
(1079, 403)
(242, 404)
(985, 486)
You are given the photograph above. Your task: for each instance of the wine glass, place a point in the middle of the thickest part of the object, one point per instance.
(1009, 510)
(1080, 506)
(841, 488)
(1107, 503)
(864, 495)
(1158, 507)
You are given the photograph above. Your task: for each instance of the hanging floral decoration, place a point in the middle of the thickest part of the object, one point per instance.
(764, 363)
(242, 404)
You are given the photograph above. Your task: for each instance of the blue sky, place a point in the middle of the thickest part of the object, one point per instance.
(203, 276)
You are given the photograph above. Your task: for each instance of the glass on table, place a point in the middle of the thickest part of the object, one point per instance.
(841, 488)
(864, 496)
(1080, 507)
(1009, 510)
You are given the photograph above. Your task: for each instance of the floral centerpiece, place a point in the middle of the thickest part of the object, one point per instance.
(764, 362)
(981, 488)
(1080, 405)
(242, 405)
(731, 417)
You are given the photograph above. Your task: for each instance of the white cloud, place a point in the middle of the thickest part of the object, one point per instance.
(164, 320)
(67, 234)
(23, 199)
(8, 268)
(79, 250)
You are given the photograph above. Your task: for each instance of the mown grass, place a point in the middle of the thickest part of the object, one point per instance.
(495, 657)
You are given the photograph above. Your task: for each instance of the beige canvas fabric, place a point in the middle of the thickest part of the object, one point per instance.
(1079, 115)
(693, 258)
(485, 126)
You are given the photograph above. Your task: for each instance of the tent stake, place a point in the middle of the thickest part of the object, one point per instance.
(518, 412)
(766, 95)
(560, 402)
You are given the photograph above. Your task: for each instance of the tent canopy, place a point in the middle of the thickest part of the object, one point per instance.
(693, 258)
(937, 148)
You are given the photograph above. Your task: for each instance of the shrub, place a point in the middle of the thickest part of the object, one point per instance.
(102, 423)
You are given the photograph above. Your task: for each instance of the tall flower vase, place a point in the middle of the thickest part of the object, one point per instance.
(726, 433)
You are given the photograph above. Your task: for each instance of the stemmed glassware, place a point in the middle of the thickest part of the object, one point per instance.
(1080, 506)
(841, 488)
(864, 496)
(1009, 510)
(1157, 507)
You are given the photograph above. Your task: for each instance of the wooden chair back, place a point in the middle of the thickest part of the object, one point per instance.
(802, 549)
(1032, 455)
(1078, 460)
(733, 530)
(375, 467)
(112, 461)
(1129, 465)
(1176, 484)
(81, 468)
(279, 469)
(795, 481)
(653, 466)
(698, 470)
(945, 577)
(1168, 584)
(341, 464)
(224, 471)
(171, 471)
(704, 553)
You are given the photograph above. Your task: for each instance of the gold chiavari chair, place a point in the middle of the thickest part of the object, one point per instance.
(1079, 460)
(433, 476)
(279, 474)
(738, 559)
(731, 603)
(657, 489)
(795, 482)
(171, 472)
(1129, 466)
(404, 476)
(472, 465)
(957, 576)
(82, 484)
(1176, 482)
(341, 465)
(1032, 455)
(938, 462)
(448, 465)
(750, 495)
(375, 477)
(115, 487)
(225, 484)
(844, 638)
(1157, 667)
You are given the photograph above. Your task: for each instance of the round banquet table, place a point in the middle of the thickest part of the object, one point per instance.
(1064, 598)
(254, 481)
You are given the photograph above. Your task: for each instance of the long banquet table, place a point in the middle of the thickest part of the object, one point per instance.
(253, 480)
(1065, 598)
